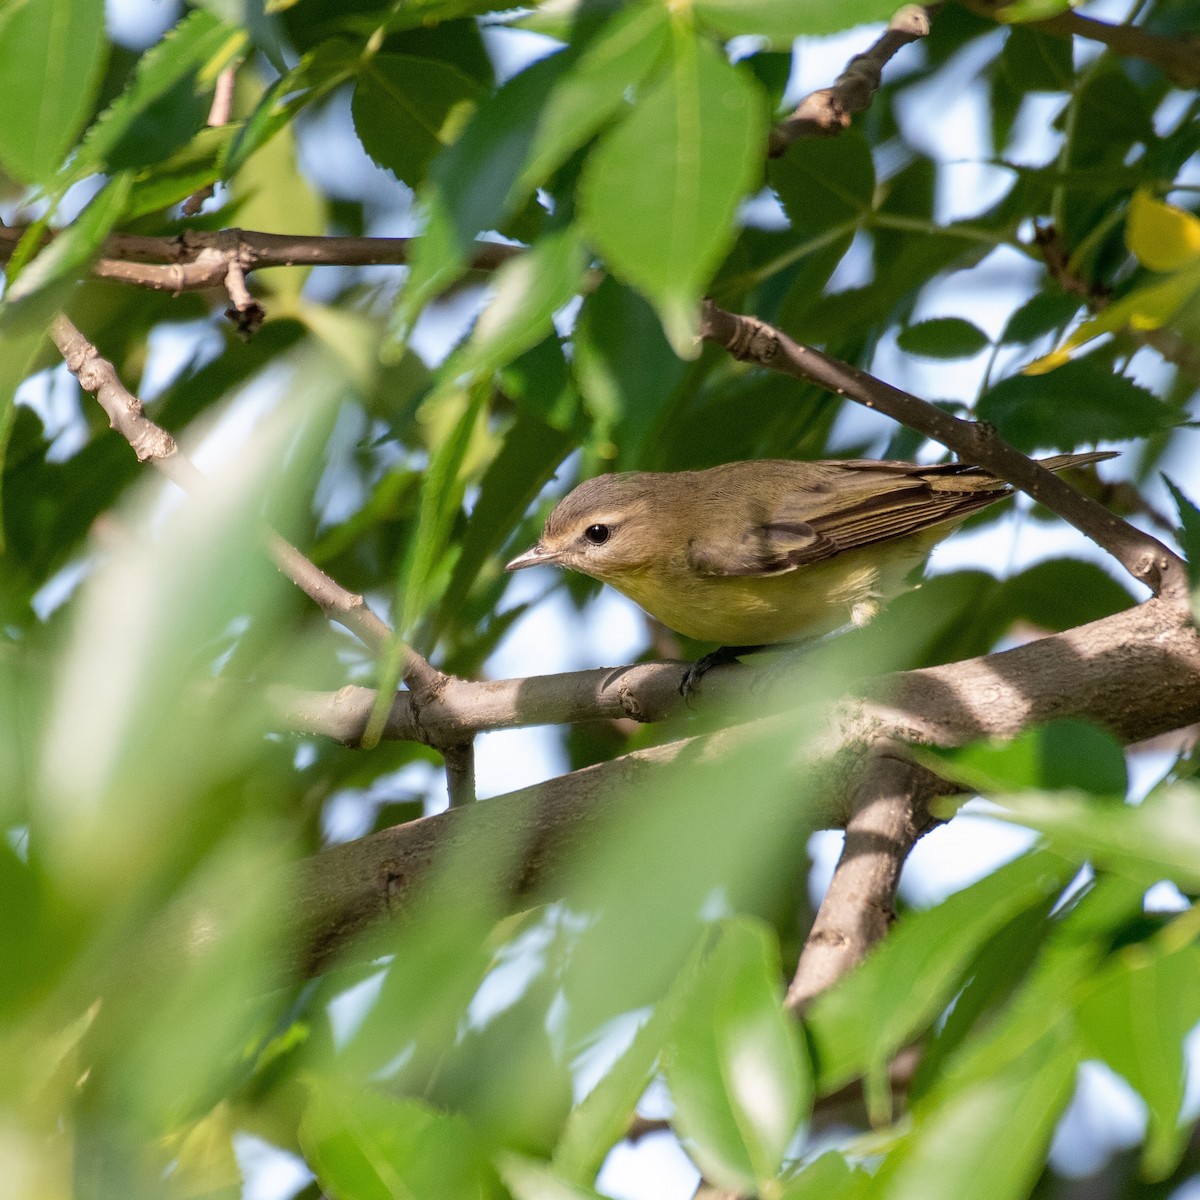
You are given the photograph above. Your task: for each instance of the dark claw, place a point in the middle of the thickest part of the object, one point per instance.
(715, 658)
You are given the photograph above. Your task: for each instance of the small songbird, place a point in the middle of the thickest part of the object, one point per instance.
(750, 554)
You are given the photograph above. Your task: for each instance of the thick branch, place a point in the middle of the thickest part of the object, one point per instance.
(857, 909)
(1136, 673)
(752, 340)
(827, 111)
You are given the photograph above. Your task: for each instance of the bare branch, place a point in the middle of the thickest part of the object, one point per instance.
(154, 445)
(198, 260)
(827, 111)
(857, 910)
(752, 340)
(218, 114)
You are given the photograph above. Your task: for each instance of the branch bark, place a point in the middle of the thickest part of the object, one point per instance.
(198, 260)
(154, 445)
(827, 111)
(1137, 673)
(858, 908)
(752, 340)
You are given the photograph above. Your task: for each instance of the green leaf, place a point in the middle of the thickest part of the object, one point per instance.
(825, 183)
(943, 337)
(1188, 534)
(1081, 402)
(1060, 754)
(1034, 61)
(69, 254)
(52, 55)
(829, 1177)
(474, 185)
(166, 101)
(366, 1146)
(527, 459)
(1043, 313)
(526, 293)
(627, 372)
(1061, 593)
(779, 21)
(734, 1064)
(406, 109)
(600, 1120)
(1136, 1019)
(595, 87)
(857, 1025)
(659, 193)
(1157, 839)
(530, 1179)
(986, 1135)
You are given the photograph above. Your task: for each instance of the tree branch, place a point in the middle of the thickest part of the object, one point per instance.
(752, 340)
(197, 260)
(1177, 57)
(154, 445)
(827, 111)
(858, 908)
(1137, 673)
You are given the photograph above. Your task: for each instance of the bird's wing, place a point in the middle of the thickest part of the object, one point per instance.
(866, 502)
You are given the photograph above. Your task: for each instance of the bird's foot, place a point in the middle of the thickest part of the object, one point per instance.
(715, 658)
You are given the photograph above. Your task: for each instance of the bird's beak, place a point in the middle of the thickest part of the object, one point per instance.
(535, 556)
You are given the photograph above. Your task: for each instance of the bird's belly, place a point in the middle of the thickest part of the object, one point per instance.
(740, 610)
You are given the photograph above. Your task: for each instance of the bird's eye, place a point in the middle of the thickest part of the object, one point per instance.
(597, 534)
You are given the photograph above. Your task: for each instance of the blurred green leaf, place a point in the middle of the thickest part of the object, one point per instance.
(167, 99)
(734, 1064)
(1060, 754)
(406, 109)
(526, 293)
(1043, 313)
(824, 183)
(696, 137)
(1136, 1017)
(857, 1025)
(1035, 61)
(943, 337)
(528, 1179)
(779, 21)
(474, 184)
(829, 1177)
(52, 56)
(595, 87)
(1189, 533)
(627, 371)
(1157, 839)
(367, 1146)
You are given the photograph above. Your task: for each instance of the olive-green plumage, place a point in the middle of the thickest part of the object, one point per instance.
(753, 553)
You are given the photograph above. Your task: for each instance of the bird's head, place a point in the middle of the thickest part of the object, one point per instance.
(605, 528)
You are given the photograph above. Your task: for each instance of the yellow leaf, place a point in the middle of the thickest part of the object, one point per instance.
(1163, 237)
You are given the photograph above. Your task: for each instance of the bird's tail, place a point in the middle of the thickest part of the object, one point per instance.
(1060, 462)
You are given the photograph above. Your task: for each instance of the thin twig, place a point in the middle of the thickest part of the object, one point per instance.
(827, 111)
(752, 340)
(154, 445)
(218, 115)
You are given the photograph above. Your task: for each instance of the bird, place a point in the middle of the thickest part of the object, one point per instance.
(759, 553)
